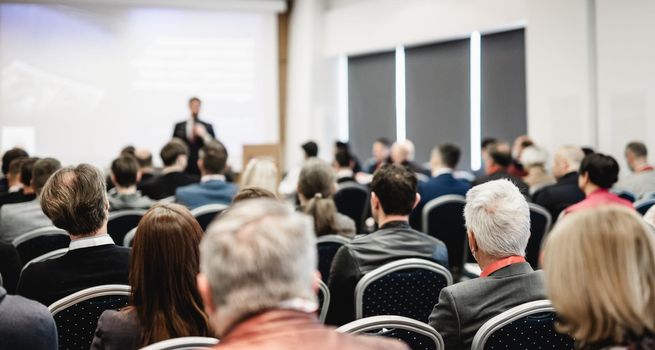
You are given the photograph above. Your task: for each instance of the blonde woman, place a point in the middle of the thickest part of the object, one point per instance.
(600, 275)
(261, 173)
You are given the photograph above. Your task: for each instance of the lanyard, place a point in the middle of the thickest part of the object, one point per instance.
(499, 264)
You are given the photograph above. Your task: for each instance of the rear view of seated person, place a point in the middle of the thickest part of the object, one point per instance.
(19, 218)
(7, 158)
(165, 302)
(20, 169)
(316, 186)
(498, 223)
(125, 175)
(497, 161)
(212, 189)
(10, 266)
(393, 196)
(343, 165)
(144, 158)
(175, 155)
(75, 199)
(25, 324)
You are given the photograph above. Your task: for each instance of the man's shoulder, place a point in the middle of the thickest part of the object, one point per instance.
(17, 308)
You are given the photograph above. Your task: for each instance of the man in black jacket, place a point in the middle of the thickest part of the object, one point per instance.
(75, 199)
(195, 133)
(175, 156)
(393, 196)
(497, 160)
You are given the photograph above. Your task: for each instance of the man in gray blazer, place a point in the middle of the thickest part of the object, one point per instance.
(498, 223)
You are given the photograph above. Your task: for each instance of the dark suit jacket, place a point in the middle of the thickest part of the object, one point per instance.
(181, 133)
(25, 324)
(393, 241)
(210, 192)
(51, 280)
(16, 197)
(117, 330)
(165, 185)
(10, 266)
(437, 186)
(555, 198)
(523, 187)
(464, 307)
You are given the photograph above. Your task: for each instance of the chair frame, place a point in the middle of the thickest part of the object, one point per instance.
(402, 264)
(208, 208)
(448, 198)
(642, 202)
(129, 237)
(333, 239)
(326, 300)
(507, 317)
(367, 204)
(47, 256)
(120, 213)
(41, 231)
(183, 343)
(549, 218)
(398, 322)
(86, 294)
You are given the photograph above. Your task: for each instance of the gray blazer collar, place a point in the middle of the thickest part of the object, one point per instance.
(513, 270)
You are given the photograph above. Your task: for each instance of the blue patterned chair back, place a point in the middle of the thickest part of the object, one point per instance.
(207, 213)
(76, 316)
(407, 287)
(416, 334)
(629, 196)
(643, 205)
(527, 326)
(38, 242)
(540, 221)
(352, 200)
(121, 222)
(443, 218)
(327, 248)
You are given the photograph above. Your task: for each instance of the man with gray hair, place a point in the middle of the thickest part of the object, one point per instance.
(642, 179)
(258, 281)
(498, 225)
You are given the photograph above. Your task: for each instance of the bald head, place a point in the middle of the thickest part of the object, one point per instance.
(567, 159)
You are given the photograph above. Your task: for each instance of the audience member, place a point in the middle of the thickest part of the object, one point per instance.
(175, 156)
(597, 174)
(344, 147)
(443, 161)
(212, 189)
(260, 172)
(498, 224)
(144, 158)
(164, 300)
(642, 179)
(125, 175)
(10, 155)
(19, 218)
(402, 153)
(25, 192)
(248, 193)
(516, 168)
(13, 175)
(565, 192)
(599, 274)
(497, 160)
(344, 165)
(534, 161)
(483, 150)
(289, 183)
(316, 186)
(10, 266)
(270, 301)
(381, 152)
(25, 324)
(195, 134)
(75, 199)
(393, 196)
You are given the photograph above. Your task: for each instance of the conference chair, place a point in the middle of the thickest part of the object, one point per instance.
(443, 218)
(205, 214)
(643, 205)
(352, 200)
(627, 195)
(323, 300)
(418, 335)
(184, 343)
(648, 195)
(540, 222)
(122, 221)
(76, 315)
(405, 287)
(47, 256)
(527, 326)
(328, 246)
(129, 238)
(40, 241)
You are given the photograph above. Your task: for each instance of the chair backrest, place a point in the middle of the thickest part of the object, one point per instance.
(122, 221)
(205, 214)
(47, 256)
(627, 195)
(527, 326)
(169, 199)
(184, 343)
(648, 195)
(352, 200)
(643, 205)
(76, 315)
(406, 287)
(443, 218)
(129, 238)
(418, 335)
(328, 246)
(323, 300)
(40, 241)
(540, 222)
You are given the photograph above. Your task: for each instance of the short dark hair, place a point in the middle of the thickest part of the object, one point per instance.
(603, 170)
(588, 150)
(173, 149)
(500, 156)
(11, 155)
(26, 168)
(130, 150)
(310, 148)
(637, 148)
(15, 165)
(385, 141)
(252, 193)
(487, 141)
(395, 186)
(125, 169)
(449, 154)
(144, 161)
(342, 146)
(214, 157)
(343, 159)
(194, 99)
(41, 172)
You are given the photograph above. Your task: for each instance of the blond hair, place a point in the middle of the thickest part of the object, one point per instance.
(600, 276)
(260, 172)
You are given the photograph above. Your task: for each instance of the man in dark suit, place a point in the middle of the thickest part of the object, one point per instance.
(212, 188)
(195, 133)
(555, 198)
(75, 199)
(498, 223)
(175, 156)
(497, 160)
(10, 266)
(444, 160)
(393, 196)
(7, 158)
(23, 168)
